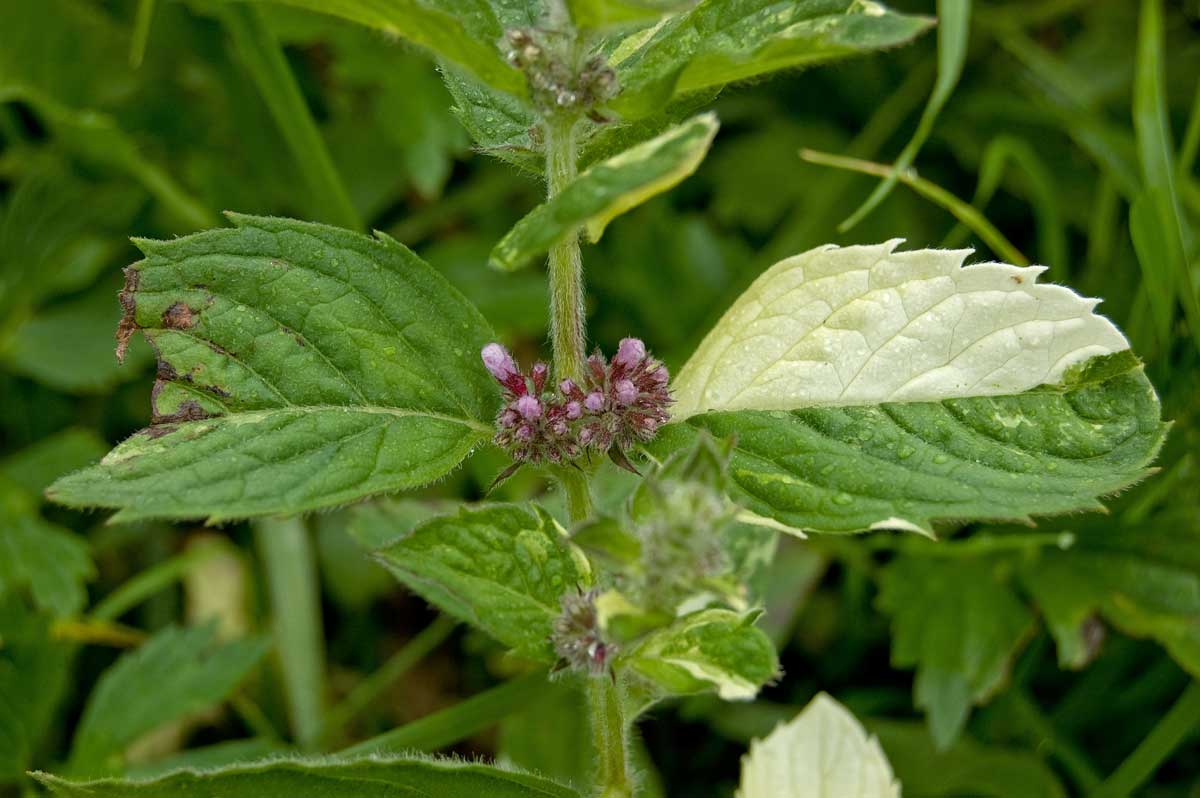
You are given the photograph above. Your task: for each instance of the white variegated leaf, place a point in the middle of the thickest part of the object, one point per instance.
(823, 751)
(867, 324)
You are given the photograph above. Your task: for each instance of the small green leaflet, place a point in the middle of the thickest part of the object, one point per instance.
(300, 366)
(464, 32)
(711, 650)
(608, 189)
(33, 677)
(960, 625)
(330, 777)
(822, 751)
(722, 41)
(869, 388)
(189, 672)
(501, 568)
(50, 562)
(1143, 578)
(498, 122)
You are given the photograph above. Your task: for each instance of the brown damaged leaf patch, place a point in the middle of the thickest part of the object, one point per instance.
(128, 324)
(178, 316)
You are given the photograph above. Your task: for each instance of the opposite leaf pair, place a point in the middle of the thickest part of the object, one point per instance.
(303, 367)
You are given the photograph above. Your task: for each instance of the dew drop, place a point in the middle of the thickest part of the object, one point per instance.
(939, 459)
(843, 499)
(905, 452)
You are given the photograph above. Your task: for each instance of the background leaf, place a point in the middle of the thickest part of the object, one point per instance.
(465, 33)
(190, 672)
(960, 628)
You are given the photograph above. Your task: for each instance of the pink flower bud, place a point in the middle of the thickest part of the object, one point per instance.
(559, 427)
(630, 352)
(659, 376)
(529, 408)
(594, 401)
(585, 435)
(574, 410)
(524, 432)
(509, 418)
(538, 374)
(499, 362)
(626, 392)
(567, 387)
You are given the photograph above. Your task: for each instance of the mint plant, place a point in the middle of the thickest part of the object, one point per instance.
(849, 389)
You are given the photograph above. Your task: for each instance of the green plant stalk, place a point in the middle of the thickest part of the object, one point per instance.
(610, 738)
(291, 572)
(566, 263)
(151, 581)
(1050, 742)
(449, 726)
(269, 69)
(1164, 738)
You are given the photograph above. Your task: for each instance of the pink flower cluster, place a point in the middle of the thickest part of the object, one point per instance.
(617, 404)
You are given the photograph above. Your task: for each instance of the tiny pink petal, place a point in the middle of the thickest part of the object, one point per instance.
(529, 407)
(626, 392)
(630, 352)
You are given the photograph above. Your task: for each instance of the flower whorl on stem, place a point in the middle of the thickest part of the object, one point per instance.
(615, 405)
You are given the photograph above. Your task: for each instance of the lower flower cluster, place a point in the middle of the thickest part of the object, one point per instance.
(616, 405)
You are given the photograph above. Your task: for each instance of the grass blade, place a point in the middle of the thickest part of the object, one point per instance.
(954, 28)
(1052, 232)
(966, 214)
(141, 32)
(1156, 155)
(459, 721)
(269, 69)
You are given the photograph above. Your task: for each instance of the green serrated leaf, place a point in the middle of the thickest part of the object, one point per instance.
(708, 651)
(301, 366)
(50, 562)
(501, 568)
(498, 122)
(960, 625)
(608, 189)
(189, 672)
(367, 777)
(966, 768)
(722, 41)
(465, 32)
(33, 677)
(873, 389)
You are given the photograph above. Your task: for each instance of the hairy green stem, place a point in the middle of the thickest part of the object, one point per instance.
(609, 735)
(1164, 738)
(566, 264)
